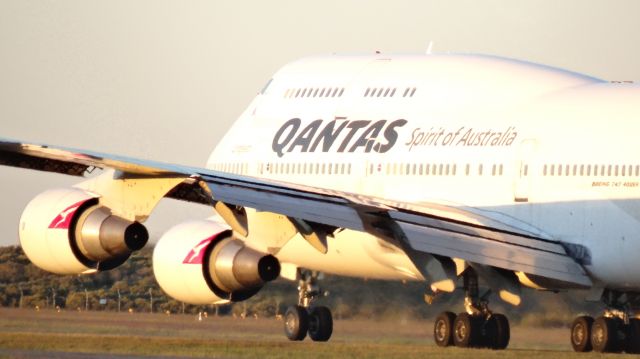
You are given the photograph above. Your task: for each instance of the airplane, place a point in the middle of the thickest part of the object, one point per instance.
(466, 172)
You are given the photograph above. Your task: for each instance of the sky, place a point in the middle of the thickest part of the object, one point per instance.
(164, 80)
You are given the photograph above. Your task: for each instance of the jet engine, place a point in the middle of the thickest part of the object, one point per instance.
(67, 231)
(200, 262)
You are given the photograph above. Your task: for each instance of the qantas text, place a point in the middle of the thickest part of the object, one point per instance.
(339, 135)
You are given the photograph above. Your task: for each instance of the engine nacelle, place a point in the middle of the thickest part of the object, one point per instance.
(199, 262)
(66, 231)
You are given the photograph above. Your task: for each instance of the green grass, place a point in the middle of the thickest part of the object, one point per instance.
(184, 336)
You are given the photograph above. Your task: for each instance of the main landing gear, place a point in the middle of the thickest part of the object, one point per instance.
(613, 332)
(477, 327)
(304, 318)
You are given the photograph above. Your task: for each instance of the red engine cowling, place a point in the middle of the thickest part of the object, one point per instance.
(200, 262)
(66, 231)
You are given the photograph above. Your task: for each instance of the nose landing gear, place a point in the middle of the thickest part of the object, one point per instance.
(303, 318)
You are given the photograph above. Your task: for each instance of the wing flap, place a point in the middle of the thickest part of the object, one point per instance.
(493, 253)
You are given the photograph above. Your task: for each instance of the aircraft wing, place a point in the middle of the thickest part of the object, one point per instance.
(432, 228)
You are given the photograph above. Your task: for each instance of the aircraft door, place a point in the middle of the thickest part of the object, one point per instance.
(525, 165)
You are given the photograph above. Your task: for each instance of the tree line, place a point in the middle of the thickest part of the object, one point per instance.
(132, 287)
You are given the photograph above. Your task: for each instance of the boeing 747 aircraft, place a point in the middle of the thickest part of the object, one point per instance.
(453, 170)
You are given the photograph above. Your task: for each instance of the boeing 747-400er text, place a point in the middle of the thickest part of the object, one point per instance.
(446, 169)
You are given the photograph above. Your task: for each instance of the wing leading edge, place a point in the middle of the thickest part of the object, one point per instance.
(430, 228)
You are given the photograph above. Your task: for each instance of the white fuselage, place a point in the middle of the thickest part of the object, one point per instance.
(551, 152)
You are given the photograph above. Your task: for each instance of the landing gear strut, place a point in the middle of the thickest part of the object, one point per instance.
(304, 318)
(613, 332)
(477, 327)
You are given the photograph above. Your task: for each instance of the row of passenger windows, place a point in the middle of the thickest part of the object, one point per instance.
(314, 92)
(430, 169)
(338, 92)
(388, 92)
(591, 170)
(434, 169)
(238, 168)
(306, 168)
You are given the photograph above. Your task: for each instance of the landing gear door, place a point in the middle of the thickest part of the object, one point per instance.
(525, 170)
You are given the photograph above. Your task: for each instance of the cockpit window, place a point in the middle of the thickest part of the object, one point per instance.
(264, 89)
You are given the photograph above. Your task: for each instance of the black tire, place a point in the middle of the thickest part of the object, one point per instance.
(466, 331)
(632, 345)
(581, 334)
(604, 335)
(296, 323)
(497, 332)
(443, 329)
(320, 324)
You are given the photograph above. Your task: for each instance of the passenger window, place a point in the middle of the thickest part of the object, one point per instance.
(480, 170)
(466, 170)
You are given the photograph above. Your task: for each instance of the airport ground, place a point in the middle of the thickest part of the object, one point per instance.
(71, 334)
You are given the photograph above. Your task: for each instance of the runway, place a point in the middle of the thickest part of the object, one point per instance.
(71, 334)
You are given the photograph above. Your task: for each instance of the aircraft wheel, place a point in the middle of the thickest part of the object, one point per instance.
(581, 334)
(320, 324)
(466, 331)
(633, 337)
(497, 332)
(296, 323)
(443, 329)
(604, 335)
